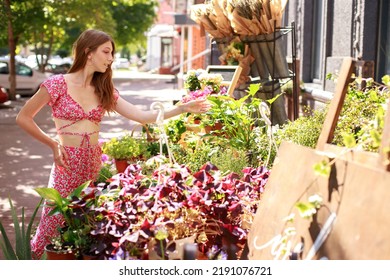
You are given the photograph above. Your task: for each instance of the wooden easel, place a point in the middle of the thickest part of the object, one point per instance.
(354, 219)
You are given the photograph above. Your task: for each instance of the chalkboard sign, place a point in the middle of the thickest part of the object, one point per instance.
(229, 73)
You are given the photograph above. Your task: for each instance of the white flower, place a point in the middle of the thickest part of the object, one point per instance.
(316, 200)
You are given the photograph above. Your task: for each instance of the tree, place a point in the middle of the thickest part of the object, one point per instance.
(133, 18)
(14, 26)
(50, 25)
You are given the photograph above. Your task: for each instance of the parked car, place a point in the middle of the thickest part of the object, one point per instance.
(28, 79)
(3, 95)
(121, 63)
(58, 68)
(59, 65)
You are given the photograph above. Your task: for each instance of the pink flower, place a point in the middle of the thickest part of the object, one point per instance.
(105, 158)
(202, 93)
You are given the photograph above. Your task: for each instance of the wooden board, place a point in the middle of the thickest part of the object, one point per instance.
(353, 221)
(362, 226)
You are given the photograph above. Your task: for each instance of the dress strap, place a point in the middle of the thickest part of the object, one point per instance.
(67, 125)
(85, 140)
(85, 137)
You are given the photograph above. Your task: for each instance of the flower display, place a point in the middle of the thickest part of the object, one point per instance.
(233, 53)
(238, 53)
(137, 216)
(201, 84)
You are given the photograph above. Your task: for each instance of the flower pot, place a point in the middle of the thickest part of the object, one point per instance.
(216, 127)
(178, 245)
(53, 254)
(216, 130)
(89, 257)
(121, 165)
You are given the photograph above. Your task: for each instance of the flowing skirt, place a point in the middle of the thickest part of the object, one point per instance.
(84, 164)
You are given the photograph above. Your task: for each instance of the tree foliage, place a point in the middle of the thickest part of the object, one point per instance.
(133, 19)
(52, 25)
(47, 26)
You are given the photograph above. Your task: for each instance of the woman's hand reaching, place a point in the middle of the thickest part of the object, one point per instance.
(196, 106)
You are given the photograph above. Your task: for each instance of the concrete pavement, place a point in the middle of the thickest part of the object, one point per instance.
(25, 163)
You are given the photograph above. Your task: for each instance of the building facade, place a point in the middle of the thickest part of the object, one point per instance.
(175, 41)
(327, 31)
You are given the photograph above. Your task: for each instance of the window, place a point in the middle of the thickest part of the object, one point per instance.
(383, 59)
(4, 68)
(317, 45)
(23, 70)
(166, 52)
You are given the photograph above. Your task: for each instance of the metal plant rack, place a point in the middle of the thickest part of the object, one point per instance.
(292, 67)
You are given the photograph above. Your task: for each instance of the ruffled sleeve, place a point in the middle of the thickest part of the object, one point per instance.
(55, 88)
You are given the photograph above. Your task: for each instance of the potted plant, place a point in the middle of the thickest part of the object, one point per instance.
(124, 149)
(201, 84)
(74, 233)
(238, 121)
(138, 216)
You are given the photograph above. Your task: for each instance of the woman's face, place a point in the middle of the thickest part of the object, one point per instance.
(102, 58)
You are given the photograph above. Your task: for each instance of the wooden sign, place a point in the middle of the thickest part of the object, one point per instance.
(352, 220)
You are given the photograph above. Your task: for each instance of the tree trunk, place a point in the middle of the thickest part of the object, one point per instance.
(12, 49)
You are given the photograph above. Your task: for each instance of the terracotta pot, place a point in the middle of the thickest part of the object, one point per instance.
(216, 126)
(121, 165)
(215, 129)
(89, 257)
(53, 254)
(196, 121)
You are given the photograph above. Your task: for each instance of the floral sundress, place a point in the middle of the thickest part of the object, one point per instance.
(84, 161)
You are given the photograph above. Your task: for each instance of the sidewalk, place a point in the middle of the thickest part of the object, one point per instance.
(25, 163)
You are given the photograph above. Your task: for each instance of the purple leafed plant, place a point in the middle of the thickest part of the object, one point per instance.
(131, 210)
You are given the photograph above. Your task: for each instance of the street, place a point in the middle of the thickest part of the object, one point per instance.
(25, 163)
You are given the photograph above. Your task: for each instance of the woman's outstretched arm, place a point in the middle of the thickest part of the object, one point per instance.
(132, 112)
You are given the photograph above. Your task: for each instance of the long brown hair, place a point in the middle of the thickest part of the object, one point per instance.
(88, 42)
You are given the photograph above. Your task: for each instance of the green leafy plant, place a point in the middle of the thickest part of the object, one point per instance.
(230, 160)
(238, 117)
(308, 209)
(288, 88)
(126, 147)
(22, 248)
(361, 120)
(75, 232)
(105, 173)
(201, 83)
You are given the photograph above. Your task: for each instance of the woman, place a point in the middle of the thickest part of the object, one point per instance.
(79, 100)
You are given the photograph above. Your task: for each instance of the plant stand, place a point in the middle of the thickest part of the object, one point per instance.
(269, 53)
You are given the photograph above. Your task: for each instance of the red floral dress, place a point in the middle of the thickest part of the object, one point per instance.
(84, 161)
